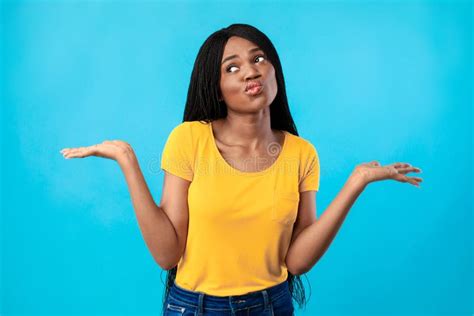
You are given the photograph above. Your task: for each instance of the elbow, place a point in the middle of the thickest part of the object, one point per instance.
(168, 267)
(295, 269)
(167, 260)
(166, 264)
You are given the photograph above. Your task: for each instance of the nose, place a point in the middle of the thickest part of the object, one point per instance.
(251, 73)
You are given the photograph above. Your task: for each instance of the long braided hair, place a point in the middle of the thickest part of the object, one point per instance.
(203, 104)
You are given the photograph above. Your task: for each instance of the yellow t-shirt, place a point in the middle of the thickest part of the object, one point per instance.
(240, 223)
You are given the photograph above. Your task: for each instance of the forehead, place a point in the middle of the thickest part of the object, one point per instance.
(236, 45)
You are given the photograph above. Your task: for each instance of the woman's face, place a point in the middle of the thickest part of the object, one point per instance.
(249, 64)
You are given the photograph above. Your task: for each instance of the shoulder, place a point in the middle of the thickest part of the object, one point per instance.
(189, 129)
(301, 144)
(189, 125)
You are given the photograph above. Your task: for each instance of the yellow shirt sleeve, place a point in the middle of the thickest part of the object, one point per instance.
(311, 171)
(177, 156)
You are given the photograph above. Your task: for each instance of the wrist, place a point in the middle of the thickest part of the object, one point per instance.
(127, 159)
(359, 178)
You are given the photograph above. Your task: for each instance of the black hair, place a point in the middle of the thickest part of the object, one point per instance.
(203, 104)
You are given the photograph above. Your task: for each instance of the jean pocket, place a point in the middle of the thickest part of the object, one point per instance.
(172, 309)
(285, 207)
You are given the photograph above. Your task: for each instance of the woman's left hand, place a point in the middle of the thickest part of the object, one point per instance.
(373, 171)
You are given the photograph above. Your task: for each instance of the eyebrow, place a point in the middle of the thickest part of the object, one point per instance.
(233, 56)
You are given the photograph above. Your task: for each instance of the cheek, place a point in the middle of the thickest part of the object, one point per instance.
(230, 87)
(272, 83)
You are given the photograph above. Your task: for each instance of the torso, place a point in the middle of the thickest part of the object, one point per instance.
(244, 160)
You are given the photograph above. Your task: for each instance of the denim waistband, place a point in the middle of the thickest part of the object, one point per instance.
(236, 302)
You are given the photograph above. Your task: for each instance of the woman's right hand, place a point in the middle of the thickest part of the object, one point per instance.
(116, 150)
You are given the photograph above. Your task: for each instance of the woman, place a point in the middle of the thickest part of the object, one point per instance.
(237, 224)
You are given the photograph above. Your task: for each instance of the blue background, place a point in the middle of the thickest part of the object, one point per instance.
(388, 81)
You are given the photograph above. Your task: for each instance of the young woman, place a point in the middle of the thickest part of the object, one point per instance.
(236, 225)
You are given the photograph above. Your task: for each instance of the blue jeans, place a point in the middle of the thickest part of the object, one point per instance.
(272, 301)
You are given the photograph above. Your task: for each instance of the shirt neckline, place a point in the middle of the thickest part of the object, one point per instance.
(245, 173)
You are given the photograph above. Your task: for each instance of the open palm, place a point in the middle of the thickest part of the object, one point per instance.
(373, 171)
(114, 149)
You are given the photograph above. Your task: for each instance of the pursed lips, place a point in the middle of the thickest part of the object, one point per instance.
(253, 84)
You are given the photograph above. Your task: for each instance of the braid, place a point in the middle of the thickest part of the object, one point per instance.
(297, 290)
(170, 277)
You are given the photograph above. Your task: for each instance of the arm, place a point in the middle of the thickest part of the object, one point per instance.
(164, 227)
(156, 227)
(313, 241)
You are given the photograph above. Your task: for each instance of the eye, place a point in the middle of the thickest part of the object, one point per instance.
(261, 56)
(228, 68)
(232, 65)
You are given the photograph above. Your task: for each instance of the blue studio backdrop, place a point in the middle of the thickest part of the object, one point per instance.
(371, 80)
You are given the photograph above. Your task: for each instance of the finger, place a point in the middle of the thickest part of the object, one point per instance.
(400, 176)
(409, 169)
(414, 180)
(80, 152)
(70, 153)
(67, 154)
(67, 151)
(401, 165)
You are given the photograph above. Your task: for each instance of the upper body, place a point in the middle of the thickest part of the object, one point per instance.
(240, 219)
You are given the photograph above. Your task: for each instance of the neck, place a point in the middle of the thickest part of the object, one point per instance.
(250, 131)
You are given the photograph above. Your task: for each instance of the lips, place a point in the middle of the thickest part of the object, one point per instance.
(252, 84)
(253, 87)
(256, 90)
